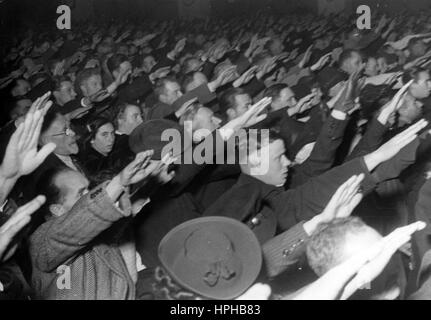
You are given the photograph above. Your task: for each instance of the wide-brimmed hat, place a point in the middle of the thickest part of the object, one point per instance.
(214, 257)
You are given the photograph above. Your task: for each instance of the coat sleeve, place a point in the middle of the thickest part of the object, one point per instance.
(285, 250)
(421, 241)
(310, 199)
(392, 168)
(61, 239)
(202, 93)
(185, 174)
(371, 140)
(323, 154)
(140, 87)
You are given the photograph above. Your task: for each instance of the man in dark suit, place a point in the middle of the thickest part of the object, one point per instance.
(259, 200)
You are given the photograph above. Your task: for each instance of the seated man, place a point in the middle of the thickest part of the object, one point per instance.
(339, 240)
(127, 119)
(259, 200)
(66, 246)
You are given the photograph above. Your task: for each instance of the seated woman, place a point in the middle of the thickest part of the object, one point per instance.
(97, 146)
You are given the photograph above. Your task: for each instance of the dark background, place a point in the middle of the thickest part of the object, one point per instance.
(33, 13)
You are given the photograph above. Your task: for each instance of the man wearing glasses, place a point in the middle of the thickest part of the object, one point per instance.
(56, 129)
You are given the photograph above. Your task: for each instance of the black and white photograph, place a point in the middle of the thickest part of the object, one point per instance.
(222, 151)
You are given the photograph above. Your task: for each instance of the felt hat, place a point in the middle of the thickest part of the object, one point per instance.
(214, 257)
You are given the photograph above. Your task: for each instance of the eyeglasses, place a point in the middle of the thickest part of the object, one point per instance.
(68, 132)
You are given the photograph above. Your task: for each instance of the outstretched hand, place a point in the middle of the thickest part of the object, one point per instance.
(15, 224)
(393, 146)
(248, 119)
(392, 106)
(137, 170)
(22, 156)
(344, 200)
(363, 267)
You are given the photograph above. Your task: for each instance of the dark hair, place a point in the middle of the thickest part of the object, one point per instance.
(326, 244)
(413, 74)
(94, 125)
(115, 61)
(58, 80)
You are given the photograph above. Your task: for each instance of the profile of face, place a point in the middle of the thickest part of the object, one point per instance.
(124, 68)
(22, 88)
(353, 64)
(131, 119)
(382, 65)
(371, 67)
(421, 88)
(410, 110)
(205, 119)
(271, 165)
(198, 79)
(242, 103)
(65, 94)
(92, 85)
(148, 63)
(72, 185)
(285, 99)
(171, 93)
(104, 139)
(21, 108)
(60, 133)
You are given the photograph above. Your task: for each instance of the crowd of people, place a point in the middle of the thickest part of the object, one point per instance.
(96, 205)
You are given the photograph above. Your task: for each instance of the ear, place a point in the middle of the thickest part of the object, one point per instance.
(56, 210)
(231, 113)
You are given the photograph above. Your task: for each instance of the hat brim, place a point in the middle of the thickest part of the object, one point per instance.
(247, 249)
